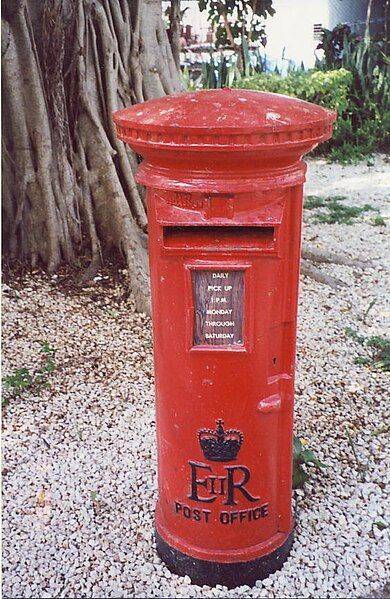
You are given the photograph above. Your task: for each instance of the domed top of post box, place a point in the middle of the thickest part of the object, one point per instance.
(225, 130)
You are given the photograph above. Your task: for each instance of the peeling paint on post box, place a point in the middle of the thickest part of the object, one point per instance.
(224, 183)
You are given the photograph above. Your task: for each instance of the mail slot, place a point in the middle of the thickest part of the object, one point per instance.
(224, 176)
(219, 238)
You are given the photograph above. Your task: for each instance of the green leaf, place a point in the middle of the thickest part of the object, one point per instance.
(299, 477)
(19, 380)
(361, 361)
(354, 335)
(297, 447)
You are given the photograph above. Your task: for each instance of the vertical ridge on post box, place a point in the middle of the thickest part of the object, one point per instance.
(224, 174)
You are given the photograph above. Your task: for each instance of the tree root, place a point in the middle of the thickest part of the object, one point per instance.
(311, 254)
(323, 256)
(309, 270)
(69, 186)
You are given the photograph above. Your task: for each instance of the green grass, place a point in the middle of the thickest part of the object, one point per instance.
(22, 379)
(331, 210)
(377, 348)
(312, 202)
(379, 221)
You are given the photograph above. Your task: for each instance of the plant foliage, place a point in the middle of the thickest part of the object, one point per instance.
(22, 379)
(219, 73)
(332, 210)
(332, 45)
(377, 348)
(235, 20)
(365, 123)
(301, 459)
(353, 78)
(327, 88)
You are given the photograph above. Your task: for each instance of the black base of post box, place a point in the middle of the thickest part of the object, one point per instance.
(227, 574)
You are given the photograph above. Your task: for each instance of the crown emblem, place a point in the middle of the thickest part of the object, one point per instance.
(220, 445)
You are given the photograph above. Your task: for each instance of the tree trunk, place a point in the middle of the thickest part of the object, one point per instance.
(174, 30)
(69, 193)
(367, 25)
(68, 183)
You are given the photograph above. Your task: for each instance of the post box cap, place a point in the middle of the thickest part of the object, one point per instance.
(234, 118)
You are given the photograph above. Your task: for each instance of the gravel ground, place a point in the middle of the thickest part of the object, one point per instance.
(78, 456)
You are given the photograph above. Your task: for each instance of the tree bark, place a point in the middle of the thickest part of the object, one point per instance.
(315, 255)
(309, 270)
(226, 24)
(68, 183)
(69, 192)
(367, 24)
(174, 30)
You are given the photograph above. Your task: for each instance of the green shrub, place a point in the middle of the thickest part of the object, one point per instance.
(360, 128)
(365, 124)
(327, 88)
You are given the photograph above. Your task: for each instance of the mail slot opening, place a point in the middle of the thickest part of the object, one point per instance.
(219, 238)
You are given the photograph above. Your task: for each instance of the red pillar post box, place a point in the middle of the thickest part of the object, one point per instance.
(224, 180)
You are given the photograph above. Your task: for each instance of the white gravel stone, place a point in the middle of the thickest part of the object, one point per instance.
(79, 460)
